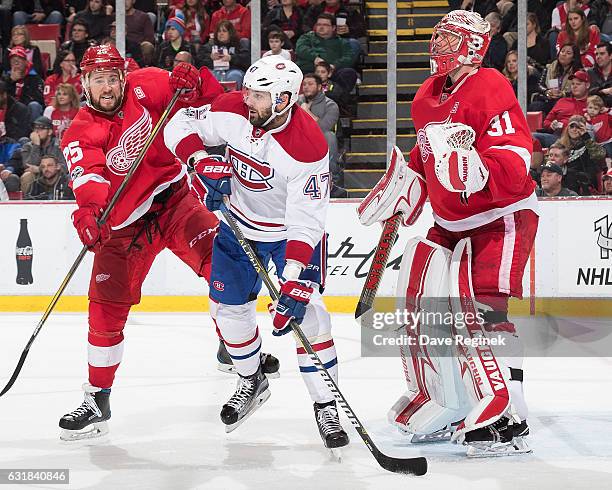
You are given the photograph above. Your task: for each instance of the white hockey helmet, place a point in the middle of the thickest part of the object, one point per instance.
(276, 75)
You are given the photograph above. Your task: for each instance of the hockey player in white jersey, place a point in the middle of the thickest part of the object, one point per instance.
(276, 174)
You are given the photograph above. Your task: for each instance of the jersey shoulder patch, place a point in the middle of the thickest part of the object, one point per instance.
(303, 140)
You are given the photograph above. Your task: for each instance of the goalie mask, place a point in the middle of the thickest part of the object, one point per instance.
(101, 58)
(460, 38)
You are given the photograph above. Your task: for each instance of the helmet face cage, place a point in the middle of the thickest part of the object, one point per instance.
(277, 76)
(460, 38)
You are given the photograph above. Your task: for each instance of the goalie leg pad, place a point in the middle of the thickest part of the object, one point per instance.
(400, 190)
(435, 397)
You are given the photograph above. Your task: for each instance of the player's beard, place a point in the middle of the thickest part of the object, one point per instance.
(259, 120)
(117, 102)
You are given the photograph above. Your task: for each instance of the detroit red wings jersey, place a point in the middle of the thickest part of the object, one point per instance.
(281, 179)
(485, 101)
(100, 149)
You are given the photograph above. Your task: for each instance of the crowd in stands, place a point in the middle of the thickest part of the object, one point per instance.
(37, 102)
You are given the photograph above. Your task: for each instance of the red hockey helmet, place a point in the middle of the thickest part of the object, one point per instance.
(460, 38)
(105, 57)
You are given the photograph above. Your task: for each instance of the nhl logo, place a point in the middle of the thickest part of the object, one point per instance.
(604, 240)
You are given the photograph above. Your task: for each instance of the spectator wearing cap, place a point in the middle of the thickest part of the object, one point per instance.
(550, 182)
(37, 12)
(174, 42)
(565, 107)
(42, 142)
(79, 40)
(586, 158)
(322, 44)
(23, 83)
(239, 16)
(21, 37)
(96, 18)
(138, 25)
(606, 183)
(51, 182)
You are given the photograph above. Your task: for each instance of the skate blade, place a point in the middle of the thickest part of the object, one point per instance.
(226, 368)
(336, 454)
(274, 375)
(516, 447)
(94, 431)
(261, 399)
(441, 436)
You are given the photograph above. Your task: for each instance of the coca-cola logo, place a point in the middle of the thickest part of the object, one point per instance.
(24, 250)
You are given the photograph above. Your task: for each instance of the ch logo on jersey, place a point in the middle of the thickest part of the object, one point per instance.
(423, 140)
(120, 158)
(252, 174)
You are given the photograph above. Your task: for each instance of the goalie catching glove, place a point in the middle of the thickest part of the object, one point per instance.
(457, 164)
(400, 190)
(214, 179)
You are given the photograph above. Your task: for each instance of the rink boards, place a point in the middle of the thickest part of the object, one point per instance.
(569, 272)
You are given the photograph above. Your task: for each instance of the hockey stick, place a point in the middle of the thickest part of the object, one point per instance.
(83, 251)
(379, 263)
(415, 466)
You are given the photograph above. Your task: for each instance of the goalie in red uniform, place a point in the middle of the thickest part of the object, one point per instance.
(155, 211)
(472, 160)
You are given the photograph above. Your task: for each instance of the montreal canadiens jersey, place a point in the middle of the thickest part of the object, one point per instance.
(485, 101)
(100, 149)
(281, 179)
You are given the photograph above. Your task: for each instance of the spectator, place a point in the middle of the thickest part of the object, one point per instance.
(197, 22)
(64, 107)
(149, 7)
(322, 44)
(148, 54)
(350, 24)
(167, 50)
(577, 31)
(537, 157)
(598, 122)
(225, 54)
(21, 37)
(79, 40)
(15, 118)
(64, 71)
(183, 57)
(133, 51)
(510, 71)
(496, 54)
(138, 25)
(239, 16)
(42, 142)
(600, 75)
(331, 89)
(509, 24)
(96, 19)
(538, 48)
(560, 12)
(600, 17)
(586, 158)
(276, 40)
(551, 178)
(51, 183)
(6, 22)
(23, 83)
(326, 113)
(558, 117)
(287, 17)
(606, 183)
(37, 12)
(555, 82)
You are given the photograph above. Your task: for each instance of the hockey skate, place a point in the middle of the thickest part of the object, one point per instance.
(89, 420)
(502, 438)
(251, 392)
(332, 433)
(269, 364)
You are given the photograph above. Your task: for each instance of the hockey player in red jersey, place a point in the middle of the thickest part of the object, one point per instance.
(472, 160)
(155, 211)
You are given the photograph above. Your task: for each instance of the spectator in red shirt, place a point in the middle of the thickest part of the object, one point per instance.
(21, 37)
(599, 124)
(64, 71)
(64, 106)
(565, 108)
(606, 183)
(239, 16)
(197, 21)
(578, 32)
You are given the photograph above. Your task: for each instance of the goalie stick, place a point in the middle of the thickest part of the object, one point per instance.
(378, 265)
(415, 466)
(83, 251)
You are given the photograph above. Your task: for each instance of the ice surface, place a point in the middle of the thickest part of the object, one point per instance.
(166, 432)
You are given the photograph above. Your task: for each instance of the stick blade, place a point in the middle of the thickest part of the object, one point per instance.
(407, 466)
(362, 308)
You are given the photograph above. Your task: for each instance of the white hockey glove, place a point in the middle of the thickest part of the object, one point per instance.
(400, 190)
(457, 164)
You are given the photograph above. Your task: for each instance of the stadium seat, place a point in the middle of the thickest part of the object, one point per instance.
(41, 32)
(15, 196)
(534, 120)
